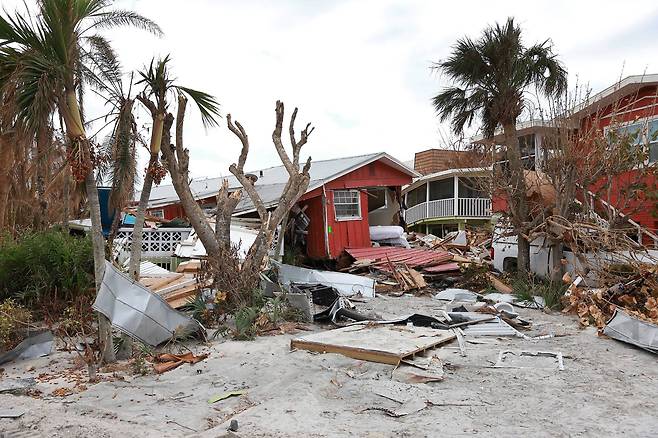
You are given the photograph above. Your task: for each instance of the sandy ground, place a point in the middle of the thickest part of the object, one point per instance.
(607, 389)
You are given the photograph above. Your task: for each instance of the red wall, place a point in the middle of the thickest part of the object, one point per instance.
(174, 211)
(638, 105)
(315, 246)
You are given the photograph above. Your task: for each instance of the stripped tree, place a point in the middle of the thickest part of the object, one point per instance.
(158, 86)
(221, 255)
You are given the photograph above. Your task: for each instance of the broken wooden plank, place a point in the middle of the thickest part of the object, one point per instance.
(381, 343)
(499, 285)
(164, 281)
(189, 266)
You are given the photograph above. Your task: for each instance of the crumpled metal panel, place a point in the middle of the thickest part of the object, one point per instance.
(34, 346)
(625, 328)
(346, 284)
(138, 312)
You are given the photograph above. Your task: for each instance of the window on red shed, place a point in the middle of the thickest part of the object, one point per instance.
(347, 205)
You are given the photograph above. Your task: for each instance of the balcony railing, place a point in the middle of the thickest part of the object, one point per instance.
(465, 207)
(156, 242)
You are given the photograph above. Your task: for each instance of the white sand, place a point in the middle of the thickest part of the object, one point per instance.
(607, 389)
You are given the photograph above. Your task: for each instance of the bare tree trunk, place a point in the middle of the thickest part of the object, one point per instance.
(66, 215)
(70, 111)
(557, 269)
(517, 197)
(43, 138)
(6, 166)
(226, 203)
(104, 326)
(138, 229)
(177, 161)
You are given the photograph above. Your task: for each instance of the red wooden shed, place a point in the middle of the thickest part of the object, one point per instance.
(342, 208)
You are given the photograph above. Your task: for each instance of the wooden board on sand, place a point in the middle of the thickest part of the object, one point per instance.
(383, 343)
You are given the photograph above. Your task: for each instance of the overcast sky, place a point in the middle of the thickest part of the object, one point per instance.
(359, 70)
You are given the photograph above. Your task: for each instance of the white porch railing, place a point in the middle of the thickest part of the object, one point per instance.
(441, 208)
(466, 207)
(156, 242)
(416, 213)
(474, 207)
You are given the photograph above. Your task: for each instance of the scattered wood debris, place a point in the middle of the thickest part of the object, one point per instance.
(167, 362)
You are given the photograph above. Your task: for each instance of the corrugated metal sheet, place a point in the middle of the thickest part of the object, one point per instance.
(413, 257)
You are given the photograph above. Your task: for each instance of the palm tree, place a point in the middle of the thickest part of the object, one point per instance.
(492, 74)
(158, 86)
(57, 51)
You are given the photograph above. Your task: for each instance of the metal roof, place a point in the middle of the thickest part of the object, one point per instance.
(271, 181)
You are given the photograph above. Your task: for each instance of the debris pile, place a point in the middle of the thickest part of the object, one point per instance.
(637, 296)
(176, 288)
(428, 262)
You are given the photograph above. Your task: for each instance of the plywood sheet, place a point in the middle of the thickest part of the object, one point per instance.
(384, 343)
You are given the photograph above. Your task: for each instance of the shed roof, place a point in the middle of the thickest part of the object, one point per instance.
(272, 180)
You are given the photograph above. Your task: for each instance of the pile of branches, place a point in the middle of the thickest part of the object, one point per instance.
(626, 272)
(637, 295)
(585, 235)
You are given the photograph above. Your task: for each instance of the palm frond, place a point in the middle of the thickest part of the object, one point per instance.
(545, 70)
(207, 104)
(116, 18)
(101, 66)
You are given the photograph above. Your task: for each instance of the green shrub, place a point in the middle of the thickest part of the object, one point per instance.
(551, 291)
(46, 267)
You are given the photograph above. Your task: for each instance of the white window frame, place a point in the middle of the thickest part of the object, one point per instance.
(645, 141)
(358, 203)
(159, 213)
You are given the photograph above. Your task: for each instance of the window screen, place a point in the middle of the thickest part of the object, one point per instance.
(347, 204)
(638, 134)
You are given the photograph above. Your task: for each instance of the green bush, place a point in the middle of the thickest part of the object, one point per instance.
(525, 288)
(46, 267)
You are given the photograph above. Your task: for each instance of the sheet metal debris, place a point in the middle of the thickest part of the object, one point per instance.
(138, 312)
(34, 346)
(504, 353)
(346, 284)
(453, 294)
(11, 413)
(16, 384)
(486, 327)
(626, 328)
